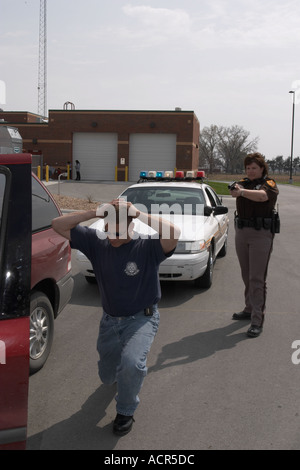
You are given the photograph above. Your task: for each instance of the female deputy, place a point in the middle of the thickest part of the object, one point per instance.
(255, 225)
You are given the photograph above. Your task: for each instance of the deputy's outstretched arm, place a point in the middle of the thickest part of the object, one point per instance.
(257, 195)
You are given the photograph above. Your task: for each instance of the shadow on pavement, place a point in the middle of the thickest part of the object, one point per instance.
(83, 429)
(80, 431)
(199, 346)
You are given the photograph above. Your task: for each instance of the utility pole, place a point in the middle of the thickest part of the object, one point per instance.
(292, 140)
(42, 75)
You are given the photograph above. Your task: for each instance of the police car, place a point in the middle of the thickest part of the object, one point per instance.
(190, 204)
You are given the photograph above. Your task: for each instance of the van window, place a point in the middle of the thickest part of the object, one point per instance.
(43, 208)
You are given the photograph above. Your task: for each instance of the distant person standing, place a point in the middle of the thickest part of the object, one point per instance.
(77, 168)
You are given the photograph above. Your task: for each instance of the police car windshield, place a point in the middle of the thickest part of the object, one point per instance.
(188, 200)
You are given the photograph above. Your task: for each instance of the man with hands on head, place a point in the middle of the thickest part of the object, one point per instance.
(126, 269)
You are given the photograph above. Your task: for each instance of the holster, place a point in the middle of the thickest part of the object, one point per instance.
(275, 222)
(258, 223)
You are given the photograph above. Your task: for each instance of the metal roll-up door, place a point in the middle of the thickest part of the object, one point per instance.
(97, 154)
(151, 152)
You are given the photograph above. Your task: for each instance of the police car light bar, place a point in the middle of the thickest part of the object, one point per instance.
(154, 175)
(179, 175)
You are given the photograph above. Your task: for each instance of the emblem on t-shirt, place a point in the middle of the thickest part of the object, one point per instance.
(131, 269)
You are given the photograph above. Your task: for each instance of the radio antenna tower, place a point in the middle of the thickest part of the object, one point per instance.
(42, 78)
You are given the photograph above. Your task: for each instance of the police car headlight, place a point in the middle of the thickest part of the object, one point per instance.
(190, 247)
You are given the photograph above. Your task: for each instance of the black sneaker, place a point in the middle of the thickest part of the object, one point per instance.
(122, 424)
(241, 316)
(254, 331)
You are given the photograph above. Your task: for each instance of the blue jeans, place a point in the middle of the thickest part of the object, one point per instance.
(123, 345)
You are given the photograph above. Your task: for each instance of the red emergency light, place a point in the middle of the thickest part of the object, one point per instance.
(179, 175)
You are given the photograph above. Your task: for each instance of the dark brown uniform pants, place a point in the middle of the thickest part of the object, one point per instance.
(253, 249)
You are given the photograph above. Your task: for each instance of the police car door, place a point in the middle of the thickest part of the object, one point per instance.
(15, 272)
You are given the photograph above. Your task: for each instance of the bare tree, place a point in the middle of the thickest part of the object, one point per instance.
(272, 165)
(282, 165)
(296, 164)
(225, 147)
(233, 146)
(279, 160)
(209, 139)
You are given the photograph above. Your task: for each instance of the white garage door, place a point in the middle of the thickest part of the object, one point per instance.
(151, 152)
(97, 154)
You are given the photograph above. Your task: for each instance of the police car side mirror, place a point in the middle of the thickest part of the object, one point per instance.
(207, 211)
(218, 210)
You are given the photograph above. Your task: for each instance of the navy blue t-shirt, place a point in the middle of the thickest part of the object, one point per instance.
(127, 276)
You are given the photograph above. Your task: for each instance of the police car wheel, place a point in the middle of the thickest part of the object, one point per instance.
(223, 250)
(206, 280)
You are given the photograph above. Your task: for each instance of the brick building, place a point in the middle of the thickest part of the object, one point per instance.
(106, 142)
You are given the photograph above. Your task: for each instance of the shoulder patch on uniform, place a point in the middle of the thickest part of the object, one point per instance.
(271, 183)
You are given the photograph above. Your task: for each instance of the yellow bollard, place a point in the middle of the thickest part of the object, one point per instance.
(39, 172)
(126, 173)
(47, 173)
(116, 173)
(68, 171)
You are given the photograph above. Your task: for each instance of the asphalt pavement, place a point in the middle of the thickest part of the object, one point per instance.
(209, 386)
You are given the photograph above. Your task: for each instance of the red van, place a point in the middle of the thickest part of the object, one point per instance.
(15, 264)
(51, 280)
(35, 285)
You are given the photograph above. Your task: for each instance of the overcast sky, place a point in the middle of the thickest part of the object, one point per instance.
(232, 62)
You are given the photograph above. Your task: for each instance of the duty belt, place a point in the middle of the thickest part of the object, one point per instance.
(258, 223)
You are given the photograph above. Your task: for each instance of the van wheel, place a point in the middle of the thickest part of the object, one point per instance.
(41, 330)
